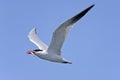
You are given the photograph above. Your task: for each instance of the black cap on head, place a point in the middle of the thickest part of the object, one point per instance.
(38, 50)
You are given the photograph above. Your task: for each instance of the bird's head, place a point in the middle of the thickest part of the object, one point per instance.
(33, 51)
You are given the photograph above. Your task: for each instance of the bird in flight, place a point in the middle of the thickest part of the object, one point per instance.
(53, 51)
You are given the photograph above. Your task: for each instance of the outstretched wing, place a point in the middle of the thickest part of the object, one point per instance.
(34, 38)
(61, 32)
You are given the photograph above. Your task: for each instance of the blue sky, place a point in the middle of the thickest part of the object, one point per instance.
(93, 45)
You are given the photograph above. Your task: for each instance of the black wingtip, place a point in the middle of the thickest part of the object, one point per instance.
(92, 6)
(87, 9)
(81, 14)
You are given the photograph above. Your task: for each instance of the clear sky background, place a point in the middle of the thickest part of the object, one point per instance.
(93, 45)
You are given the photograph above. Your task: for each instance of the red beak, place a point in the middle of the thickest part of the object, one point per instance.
(30, 52)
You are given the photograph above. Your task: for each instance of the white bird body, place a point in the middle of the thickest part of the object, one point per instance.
(53, 58)
(50, 56)
(53, 52)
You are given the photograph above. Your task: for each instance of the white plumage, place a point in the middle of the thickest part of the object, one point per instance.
(53, 52)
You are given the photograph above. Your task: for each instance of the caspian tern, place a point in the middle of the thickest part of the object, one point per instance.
(53, 52)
